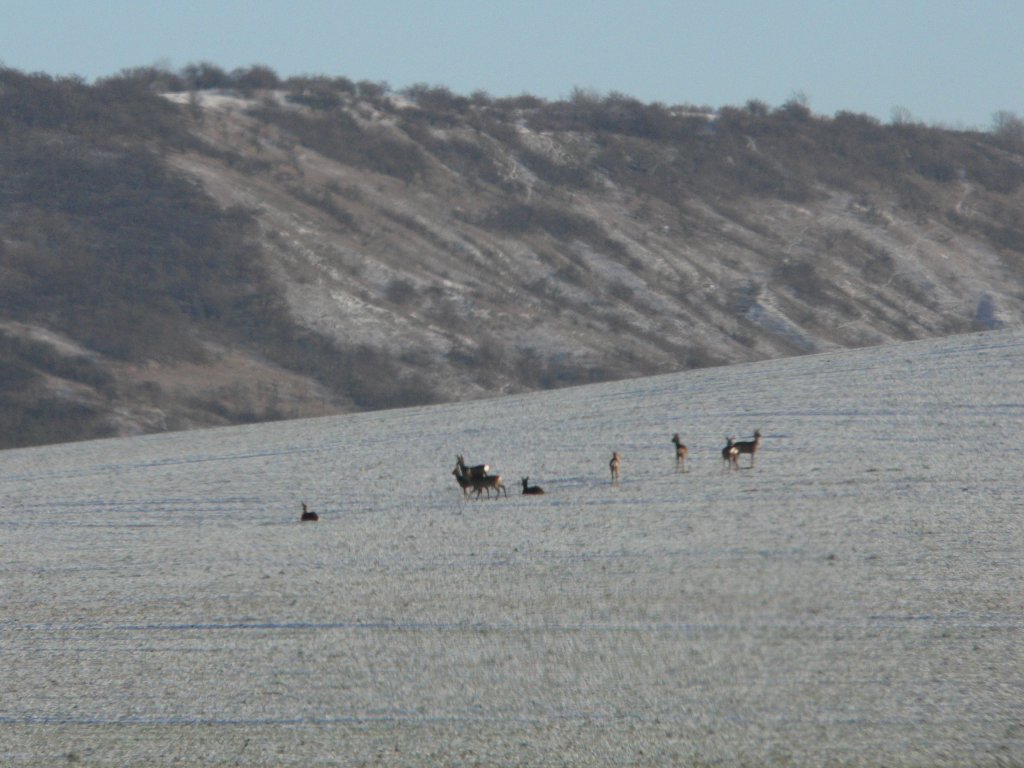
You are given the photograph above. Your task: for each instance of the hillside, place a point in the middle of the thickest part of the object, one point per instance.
(202, 248)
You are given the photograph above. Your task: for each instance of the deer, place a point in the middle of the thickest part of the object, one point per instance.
(479, 484)
(748, 446)
(614, 465)
(531, 490)
(463, 481)
(730, 453)
(486, 483)
(480, 470)
(308, 516)
(681, 452)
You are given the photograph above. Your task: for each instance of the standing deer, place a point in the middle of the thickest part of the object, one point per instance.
(308, 516)
(730, 453)
(748, 446)
(531, 490)
(614, 465)
(487, 482)
(480, 470)
(462, 480)
(680, 453)
(480, 483)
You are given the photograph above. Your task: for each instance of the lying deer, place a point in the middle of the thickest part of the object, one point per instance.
(308, 516)
(749, 446)
(731, 453)
(614, 465)
(680, 452)
(531, 490)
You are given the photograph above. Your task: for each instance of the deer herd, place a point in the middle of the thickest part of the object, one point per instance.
(477, 479)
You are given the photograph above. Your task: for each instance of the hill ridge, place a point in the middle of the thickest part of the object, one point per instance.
(323, 247)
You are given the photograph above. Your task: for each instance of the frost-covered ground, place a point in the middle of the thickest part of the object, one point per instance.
(855, 599)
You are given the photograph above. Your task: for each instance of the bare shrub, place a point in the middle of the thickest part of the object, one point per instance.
(338, 136)
(560, 223)
(400, 292)
(1008, 129)
(255, 78)
(204, 76)
(803, 278)
(621, 291)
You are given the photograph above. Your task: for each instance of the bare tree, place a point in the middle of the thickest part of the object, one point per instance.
(1008, 127)
(901, 116)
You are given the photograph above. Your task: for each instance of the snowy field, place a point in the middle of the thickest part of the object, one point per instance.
(855, 599)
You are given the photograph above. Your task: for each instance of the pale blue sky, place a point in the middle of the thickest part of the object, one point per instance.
(945, 61)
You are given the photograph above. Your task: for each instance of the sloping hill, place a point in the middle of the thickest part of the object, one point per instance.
(853, 600)
(179, 255)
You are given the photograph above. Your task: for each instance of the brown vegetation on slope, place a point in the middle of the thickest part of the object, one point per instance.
(394, 249)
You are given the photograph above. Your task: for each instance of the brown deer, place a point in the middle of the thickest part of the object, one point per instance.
(480, 470)
(463, 481)
(531, 490)
(748, 446)
(479, 484)
(308, 516)
(615, 465)
(680, 453)
(487, 482)
(730, 454)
